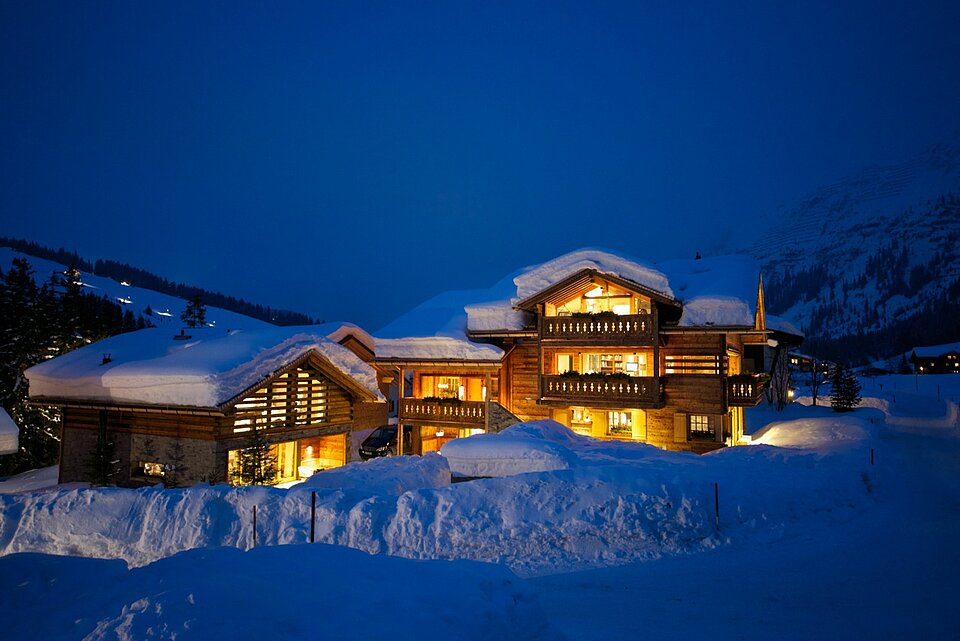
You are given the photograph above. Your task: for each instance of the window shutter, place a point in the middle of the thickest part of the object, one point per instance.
(679, 428)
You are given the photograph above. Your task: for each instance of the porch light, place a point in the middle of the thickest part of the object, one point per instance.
(439, 434)
(790, 393)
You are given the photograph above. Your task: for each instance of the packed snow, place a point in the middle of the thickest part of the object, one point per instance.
(206, 369)
(832, 525)
(290, 592)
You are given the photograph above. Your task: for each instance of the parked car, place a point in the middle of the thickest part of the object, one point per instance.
(383, 442)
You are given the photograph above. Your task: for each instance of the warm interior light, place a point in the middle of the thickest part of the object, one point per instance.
(594, 293)
(439, 434)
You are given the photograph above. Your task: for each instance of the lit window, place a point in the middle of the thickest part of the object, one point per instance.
(620, 423)
(702, 427)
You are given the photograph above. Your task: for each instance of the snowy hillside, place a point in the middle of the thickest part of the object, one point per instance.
(871, 255)
(164, 310)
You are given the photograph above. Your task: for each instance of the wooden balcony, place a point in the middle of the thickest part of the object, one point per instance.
(619, 391)
(744, 390)
(636, 329)
(472, 413)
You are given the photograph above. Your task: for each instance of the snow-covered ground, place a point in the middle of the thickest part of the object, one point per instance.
(617, 540)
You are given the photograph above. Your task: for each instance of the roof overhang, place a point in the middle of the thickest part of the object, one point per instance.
(586, 277)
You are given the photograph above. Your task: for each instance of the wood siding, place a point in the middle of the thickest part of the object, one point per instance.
(523, 364)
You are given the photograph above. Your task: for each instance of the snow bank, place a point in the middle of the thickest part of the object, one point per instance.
(504, 455)
(210, 368)
(602, 503)
(296, 592)
(390, 475)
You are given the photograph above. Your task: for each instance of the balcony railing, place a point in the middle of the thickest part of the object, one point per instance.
(416, 409)
(620, 391)
(744, 390)
(636, 329)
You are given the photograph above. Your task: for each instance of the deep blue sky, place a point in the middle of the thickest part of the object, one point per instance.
(351, 159)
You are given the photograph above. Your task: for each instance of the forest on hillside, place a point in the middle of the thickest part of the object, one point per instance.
(141, 278)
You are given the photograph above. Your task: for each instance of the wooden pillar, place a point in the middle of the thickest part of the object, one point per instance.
(400, 383)
(486, 408)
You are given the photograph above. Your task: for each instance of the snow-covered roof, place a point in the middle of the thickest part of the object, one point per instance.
(207, 370)
(9, 434)
(718, 290)
(536, 279)
(715, 291)
(932, 351)
(436, 348)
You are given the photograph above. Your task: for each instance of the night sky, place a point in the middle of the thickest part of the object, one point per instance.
(352, 159)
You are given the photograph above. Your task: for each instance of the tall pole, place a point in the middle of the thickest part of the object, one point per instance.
(399, 411)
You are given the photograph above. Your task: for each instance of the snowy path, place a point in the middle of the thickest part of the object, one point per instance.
(893, 572)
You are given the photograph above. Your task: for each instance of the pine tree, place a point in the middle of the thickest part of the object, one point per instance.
(845, 395)
(177, 468)
(195, 314)
(257, 464)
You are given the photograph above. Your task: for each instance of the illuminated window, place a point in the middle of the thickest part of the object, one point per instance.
(153, 469)
(564, 363)
(702, 427)
(620, 423)
(295, 398)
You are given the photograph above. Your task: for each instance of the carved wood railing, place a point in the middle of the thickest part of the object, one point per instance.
(626, 391)
(744, 390)
(470, 412)
(636, 329)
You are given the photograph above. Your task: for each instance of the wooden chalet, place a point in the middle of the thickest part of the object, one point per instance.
(182, 408)
(936, 359)
(604, 346)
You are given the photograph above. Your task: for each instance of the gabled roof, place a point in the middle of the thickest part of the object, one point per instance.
(584, 278)
(206, 370)
(933, 351)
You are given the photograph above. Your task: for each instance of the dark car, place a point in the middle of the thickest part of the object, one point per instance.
(383, 442)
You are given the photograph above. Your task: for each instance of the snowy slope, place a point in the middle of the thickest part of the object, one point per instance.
(868, 251)
(166, 309)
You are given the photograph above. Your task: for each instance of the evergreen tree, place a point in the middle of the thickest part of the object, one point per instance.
(257, 465)
(845, 395)
(195, 314)
(176, 469)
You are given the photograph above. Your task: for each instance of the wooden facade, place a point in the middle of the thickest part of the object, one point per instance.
(628, 370)
(307, 413)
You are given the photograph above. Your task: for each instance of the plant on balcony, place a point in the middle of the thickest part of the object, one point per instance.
(451, 400)
(595, 315)
(596, 376)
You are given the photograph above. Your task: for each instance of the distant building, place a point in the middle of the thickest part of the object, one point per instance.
(936, 359)
(184, 405)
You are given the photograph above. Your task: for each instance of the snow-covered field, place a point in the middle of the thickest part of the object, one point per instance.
(612, 540)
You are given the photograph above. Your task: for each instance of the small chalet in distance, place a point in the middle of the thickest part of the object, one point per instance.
(184, 404)
(936, 359)
(668, 355)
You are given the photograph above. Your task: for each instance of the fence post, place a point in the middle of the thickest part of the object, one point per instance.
(254, 526)
(716, 502)
(313, 513)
